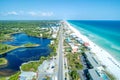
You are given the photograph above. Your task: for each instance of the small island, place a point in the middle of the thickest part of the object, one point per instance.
(30, 45)
(3, 61)
(4, 48)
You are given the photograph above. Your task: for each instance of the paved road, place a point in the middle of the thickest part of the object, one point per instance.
(60, 56)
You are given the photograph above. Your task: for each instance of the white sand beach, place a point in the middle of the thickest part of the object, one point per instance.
(103, 56)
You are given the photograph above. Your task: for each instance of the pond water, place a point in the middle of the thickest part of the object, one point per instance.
(20, 55)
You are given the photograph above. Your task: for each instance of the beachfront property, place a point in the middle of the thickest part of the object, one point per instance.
(27, 75)
(47, 69)
(74, 47)
(93, 69)
(73, 35)
(96, 74)
(79, 40)
(91, 60)
(87, 45)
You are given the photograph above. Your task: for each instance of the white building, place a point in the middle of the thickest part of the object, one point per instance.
(27, 75)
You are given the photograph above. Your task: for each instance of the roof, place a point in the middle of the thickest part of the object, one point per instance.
(86, 44)
(46, 66)
(81, 41)
(27, 75)
(94, 74)
(43, 66)
(92, 59)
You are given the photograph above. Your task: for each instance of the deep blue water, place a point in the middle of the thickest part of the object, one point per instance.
(104, 33)
(20, 55)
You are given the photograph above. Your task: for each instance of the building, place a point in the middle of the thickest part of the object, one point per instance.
(27, 75)
(68, 40)
(52, 42)
(47, 68)
(73, 35)
(91, 60)
(87, 45)
(97, 74)
(79, 40)
(93, 75)
(74, 49)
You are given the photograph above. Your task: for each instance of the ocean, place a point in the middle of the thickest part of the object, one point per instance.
(105, 34)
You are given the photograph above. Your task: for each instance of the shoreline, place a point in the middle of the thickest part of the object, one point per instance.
(14, 47)
(3, 61)
(112, 65)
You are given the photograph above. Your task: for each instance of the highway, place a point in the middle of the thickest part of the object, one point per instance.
(60, 55)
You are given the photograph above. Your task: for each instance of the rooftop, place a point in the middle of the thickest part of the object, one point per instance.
(27, 75)
(92, 59)
(94, 74)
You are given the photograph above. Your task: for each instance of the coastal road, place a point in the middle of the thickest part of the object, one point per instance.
(60, 55)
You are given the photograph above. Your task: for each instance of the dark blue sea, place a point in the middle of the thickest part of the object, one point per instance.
(104, 33)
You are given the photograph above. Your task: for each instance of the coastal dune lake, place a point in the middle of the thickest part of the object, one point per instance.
(21, 55)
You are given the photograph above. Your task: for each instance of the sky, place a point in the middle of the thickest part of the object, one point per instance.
(60, 9)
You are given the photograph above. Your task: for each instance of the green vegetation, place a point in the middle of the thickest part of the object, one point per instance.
(74, 61)
(32, 66)
(3, 78)
(32, 28)
(3, 61)
(47, 78)
(74, 65)
(30, 45)
(53, 47)
(15, 76)
(6, 48)
(74, 75)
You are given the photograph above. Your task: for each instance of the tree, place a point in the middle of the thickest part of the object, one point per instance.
(74, 75)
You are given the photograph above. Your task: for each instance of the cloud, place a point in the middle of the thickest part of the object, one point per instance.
(33, 13)
(47, 14)
(41, 14)
(29, 13)
(11, 13)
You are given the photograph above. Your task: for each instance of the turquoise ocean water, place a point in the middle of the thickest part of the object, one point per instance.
(106, 34)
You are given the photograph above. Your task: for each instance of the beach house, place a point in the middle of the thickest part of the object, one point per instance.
(91, 60)
(96, 74)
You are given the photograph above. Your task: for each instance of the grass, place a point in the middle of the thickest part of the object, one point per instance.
(30, 45)
(32, 66)
(4, 48)
(15, 76)
(74, 75)
(3, 61)
(3, 78)
(74, 61)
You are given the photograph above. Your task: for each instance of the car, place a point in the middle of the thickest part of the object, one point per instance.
(65, 78)
(52, 67)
